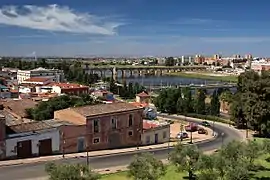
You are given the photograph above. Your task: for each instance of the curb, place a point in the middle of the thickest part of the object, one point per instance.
(107, 154)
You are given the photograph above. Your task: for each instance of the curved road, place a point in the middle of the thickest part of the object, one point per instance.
(28, 171)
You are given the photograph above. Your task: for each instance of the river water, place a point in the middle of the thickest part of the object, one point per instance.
(159, 81)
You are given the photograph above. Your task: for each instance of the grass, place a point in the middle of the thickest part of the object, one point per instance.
(171, 174)
(262, 173)
(200, 75)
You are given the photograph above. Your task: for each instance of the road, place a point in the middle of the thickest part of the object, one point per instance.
(27, 171)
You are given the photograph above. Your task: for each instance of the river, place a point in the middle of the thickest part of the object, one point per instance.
(159, 81)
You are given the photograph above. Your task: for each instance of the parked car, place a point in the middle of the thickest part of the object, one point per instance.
(182, 135)
(206, 124)
(192, 127)
(202, 131)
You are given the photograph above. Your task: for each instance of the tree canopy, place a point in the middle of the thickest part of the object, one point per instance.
(146, 167)
(45, 109)
(251, 103)
(70, 172)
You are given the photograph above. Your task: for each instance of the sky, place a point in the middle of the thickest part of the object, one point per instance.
(134, 27)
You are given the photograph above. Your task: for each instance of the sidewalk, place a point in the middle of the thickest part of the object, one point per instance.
(97, 153)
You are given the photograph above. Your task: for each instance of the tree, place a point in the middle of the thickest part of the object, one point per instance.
(185, 158)
(187, 100)
(207, 167)
(252, 150)
(45, 109)
(146, 167)
(70, 172)
(170, 61)
(215, 104)
(254, 91)
(199, 104)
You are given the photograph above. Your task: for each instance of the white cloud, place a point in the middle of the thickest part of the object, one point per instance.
(56, 18)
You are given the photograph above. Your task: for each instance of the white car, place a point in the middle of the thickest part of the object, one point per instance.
(182, 135)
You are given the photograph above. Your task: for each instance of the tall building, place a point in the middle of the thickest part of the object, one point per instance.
(217, 56)
(248, 56)
(55, 74)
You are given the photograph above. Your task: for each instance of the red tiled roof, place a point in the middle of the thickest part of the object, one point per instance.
(143, 94)
(69, 85)
(139, 104)
(149, 125)
(101, 109)
(37, 79)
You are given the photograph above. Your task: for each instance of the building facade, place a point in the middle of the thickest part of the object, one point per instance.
(55, 74)
(69, 88)
(2, 137)
(103, 126)
(32, 139)
(155, 133)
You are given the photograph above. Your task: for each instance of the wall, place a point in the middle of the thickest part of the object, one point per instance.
(11, 143)
(56, 89)
(121, 134)
(2, 136)
(151, 134)
(69, 137)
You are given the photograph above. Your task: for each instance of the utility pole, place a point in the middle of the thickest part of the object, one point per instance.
(87, 152)
(246, 130)
(63, 144)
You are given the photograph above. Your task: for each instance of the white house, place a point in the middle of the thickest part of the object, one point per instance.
(155, 132)
(32, 139)
(55, 74)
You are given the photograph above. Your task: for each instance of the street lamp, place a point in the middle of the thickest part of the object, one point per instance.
(222, 138)
(169, 145)
(213, 133)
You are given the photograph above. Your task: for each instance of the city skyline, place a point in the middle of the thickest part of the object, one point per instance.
(133, 28)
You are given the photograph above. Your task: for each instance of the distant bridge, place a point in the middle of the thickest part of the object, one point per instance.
(114, 70)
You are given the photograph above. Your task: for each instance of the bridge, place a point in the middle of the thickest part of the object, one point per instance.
(140, 70)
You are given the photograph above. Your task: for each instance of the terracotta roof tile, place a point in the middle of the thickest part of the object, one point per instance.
(143, 94)
(31, 126)
(18, 107)
(37, 79)
(94, 110)
(149, 125)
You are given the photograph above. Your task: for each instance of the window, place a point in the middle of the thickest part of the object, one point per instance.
(114, 123)
(130, 120)
(96, 140)
(147, 139)
(130, 133)
(96, 126)
(164, 134)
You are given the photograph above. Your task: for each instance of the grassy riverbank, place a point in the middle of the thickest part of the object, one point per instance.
(206, 76)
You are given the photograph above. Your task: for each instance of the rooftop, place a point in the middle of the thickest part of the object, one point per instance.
(149, 124)
(69, 85)
(37, 79)
(143, 94)
(100, 109)
(37, 126)
(18, 106)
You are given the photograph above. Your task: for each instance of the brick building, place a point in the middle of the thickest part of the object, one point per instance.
(69, 88)
(2, 136)
(102, 126)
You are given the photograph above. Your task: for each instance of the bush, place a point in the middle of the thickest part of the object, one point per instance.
(211, 118)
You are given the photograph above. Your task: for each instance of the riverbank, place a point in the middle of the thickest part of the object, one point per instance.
(205, 75)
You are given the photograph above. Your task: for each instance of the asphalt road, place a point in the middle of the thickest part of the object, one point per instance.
(28, 171)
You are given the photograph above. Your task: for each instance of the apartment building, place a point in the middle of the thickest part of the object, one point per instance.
(55, 74)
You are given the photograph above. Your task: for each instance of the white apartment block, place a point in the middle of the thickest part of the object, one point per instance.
(55, 74)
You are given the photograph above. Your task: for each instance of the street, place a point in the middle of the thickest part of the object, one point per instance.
(36, 170)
